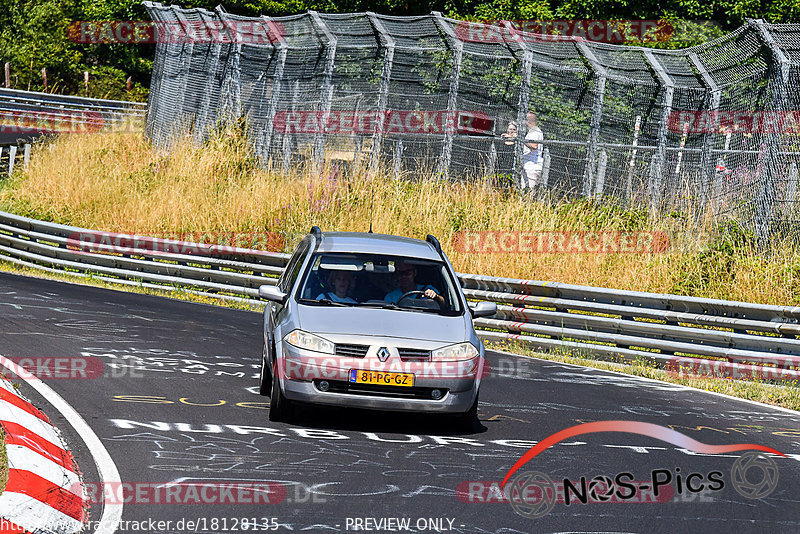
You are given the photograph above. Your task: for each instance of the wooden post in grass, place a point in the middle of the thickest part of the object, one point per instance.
(129, 83)
(8, 75)
(44, 77)
(86, 83)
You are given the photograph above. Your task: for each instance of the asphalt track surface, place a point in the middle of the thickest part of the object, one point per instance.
(177, 402)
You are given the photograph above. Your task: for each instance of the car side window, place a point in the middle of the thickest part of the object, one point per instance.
(294, 265)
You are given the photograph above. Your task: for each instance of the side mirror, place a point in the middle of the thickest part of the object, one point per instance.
(272, 293)
(483, 309)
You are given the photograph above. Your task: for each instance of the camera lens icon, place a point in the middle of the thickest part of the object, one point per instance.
(754, 475)
(532, 494)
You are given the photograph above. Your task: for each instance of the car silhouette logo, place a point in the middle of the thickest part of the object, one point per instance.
(383, 354)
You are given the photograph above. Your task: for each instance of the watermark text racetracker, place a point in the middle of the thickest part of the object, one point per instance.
(735, 121)
(186, 493)
(211, 243)
(395, 121)
(603, 31)
(257, 32)
(69, 368)
(569, 242)
(787, 368)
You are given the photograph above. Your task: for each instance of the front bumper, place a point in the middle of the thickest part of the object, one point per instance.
(301, 372)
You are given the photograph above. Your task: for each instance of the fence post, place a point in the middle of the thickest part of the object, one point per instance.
(601, 173)
(26, 158)
(12, 155)
(287, 137)
(203, 120)
(398, 158)
(778, 81)
(8, 74)
(790, 197)
(545, 166)
(457, 48)
(187, 51)
(231, 90)
(600, 75)
(492, 165)
(329, 41)
(387, 43)
(716, 186)
(657, 183)
(156, 123)
(653, 172)
(277, 86)
(713, 95)
(526, 67)
(629, 181)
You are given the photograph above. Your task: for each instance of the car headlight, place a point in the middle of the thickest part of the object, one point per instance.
(305, 340)
(459, 351)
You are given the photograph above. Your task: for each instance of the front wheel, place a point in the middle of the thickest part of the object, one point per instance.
(468, 421)
(265, 379)
(280, 408)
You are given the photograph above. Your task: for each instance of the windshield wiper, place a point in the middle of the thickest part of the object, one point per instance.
(321, 302)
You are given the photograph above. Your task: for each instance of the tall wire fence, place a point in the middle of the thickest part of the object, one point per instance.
(706, 130)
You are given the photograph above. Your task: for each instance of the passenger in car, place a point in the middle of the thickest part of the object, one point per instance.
(342, 283)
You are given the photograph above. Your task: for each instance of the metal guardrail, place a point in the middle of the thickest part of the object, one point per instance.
(28, 114)
(673, 331)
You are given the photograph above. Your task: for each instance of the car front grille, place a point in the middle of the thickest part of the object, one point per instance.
(351, 351)
(414, 355)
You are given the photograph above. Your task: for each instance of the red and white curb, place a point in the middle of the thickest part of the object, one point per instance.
(44, 492)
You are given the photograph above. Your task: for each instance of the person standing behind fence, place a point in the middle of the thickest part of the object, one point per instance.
(532, 153)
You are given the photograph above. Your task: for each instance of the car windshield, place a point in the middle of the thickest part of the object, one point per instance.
(382, 281)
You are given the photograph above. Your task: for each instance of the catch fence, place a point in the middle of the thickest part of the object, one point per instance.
(709, 130)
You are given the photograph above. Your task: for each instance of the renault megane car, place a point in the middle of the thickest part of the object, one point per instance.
(371, 321)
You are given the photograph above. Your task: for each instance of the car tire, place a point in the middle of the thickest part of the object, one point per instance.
(265, 379)
(468, 421)
(280, 408)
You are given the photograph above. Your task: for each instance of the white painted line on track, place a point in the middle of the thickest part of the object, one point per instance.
(718, 394)
(112, 513)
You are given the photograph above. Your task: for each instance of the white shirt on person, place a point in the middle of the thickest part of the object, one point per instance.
(534, 135)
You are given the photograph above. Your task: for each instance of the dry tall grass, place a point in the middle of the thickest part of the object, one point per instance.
(117, 182)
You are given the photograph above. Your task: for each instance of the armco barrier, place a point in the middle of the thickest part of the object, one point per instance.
(710, 335)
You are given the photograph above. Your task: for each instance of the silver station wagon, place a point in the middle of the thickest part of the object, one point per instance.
(371, 321)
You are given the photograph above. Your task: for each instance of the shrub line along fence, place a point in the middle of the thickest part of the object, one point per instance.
(611, 115)
(672, 331)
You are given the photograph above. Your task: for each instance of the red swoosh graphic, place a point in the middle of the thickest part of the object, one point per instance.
(633, 427)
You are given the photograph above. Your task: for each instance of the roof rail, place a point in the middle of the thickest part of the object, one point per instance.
(435, 242)
(316, 231)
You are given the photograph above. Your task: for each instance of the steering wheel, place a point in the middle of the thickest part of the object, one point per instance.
(409, 294)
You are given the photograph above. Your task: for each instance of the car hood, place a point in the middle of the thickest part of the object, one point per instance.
(386, 323)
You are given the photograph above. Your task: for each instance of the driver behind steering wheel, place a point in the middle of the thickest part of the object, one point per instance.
(405, 274)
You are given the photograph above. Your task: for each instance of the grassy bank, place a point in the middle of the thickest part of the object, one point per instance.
(116, 182)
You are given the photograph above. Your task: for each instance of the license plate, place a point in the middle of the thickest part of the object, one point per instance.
(358, 376)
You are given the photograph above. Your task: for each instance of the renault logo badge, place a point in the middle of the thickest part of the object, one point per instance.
(383, 354)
